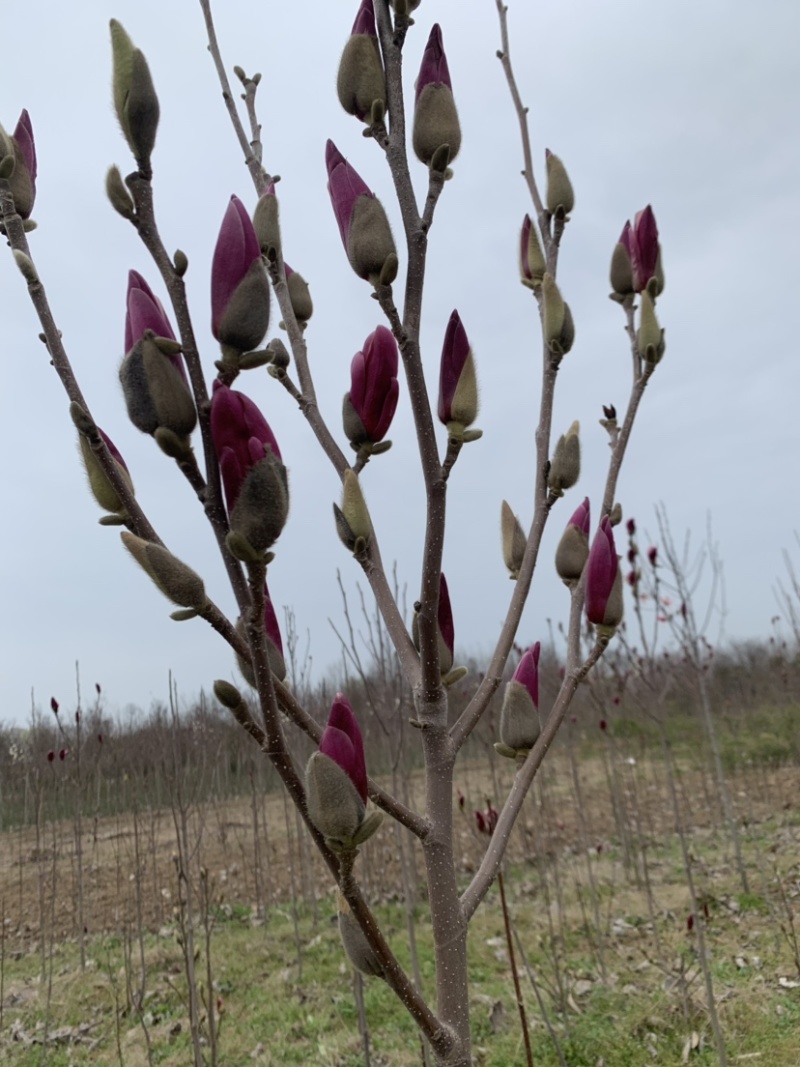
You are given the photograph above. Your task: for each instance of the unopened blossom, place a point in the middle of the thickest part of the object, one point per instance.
(239, 283)
(519, 717)
(445, 628)
(274, 642)
(152, 372)
(369, 407)
(458, 384)
(363, 225)
(102, 489)
(336, 781)
(23, 179)
(253, 475)
(436, 125)
(361, 83)
(604, 605)
(135, 99)
(573, 548)
(636, 262)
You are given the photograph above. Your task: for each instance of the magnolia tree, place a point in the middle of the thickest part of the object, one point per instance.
(222, 444)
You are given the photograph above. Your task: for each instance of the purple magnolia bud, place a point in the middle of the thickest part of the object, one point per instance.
(527, 672)
(336, 781)
(362, 222)
(361, 83)
(23, 180)
(458, 385)
(446, 631)
(54, 705)
(604, 581)
(652, 555)
(435, 117)
(144, 311)
(519, 718)
(253, 475)
(573, 548)
(486, 821)
(369, 407)
(51, 756)
(102, 489)
(445, 618)
(644, 250)
(342, 742)
(272, 630)
(239, 284)
(152, 373)
(636, 262)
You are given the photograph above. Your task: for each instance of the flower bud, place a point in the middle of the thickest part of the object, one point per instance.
(369, 407)
(352, 520)
(266, 223)
(363, 225)
(559, 329)
(23, 180)
(336, 778)
(573, 548)
(102, 489)
(253, 475)
(649, 337)
(604, 605)
(358, 949)
(446, 628)
(513, 540)
(458, 384)
(135, 99)
(532, 264)
(177, 582)
(272, 634)
(519, 718)
(155, 392)
(118, 195)
(560, 197)
(228, 695)
(565, 468)
(435, 117)
(239, 283)
(299, 295)
(361, 83)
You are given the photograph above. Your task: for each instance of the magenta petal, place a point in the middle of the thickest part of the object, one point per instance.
(454, 355)
(343, 726)
(144, 312)
(236, 249)
(112, 448)
(644, 248)
(445, 616)
(365, 20)
(601, 571)
(433, 69)
(23, 135)
(271, 626)
(581, 516)
(345, 185)
(239, 433)
(232, 474)
(527, 672)
(374, 388)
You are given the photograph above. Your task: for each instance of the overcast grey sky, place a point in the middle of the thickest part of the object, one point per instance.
(690, 106)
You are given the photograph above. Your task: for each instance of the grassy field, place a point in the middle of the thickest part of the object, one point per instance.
(613, 976)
